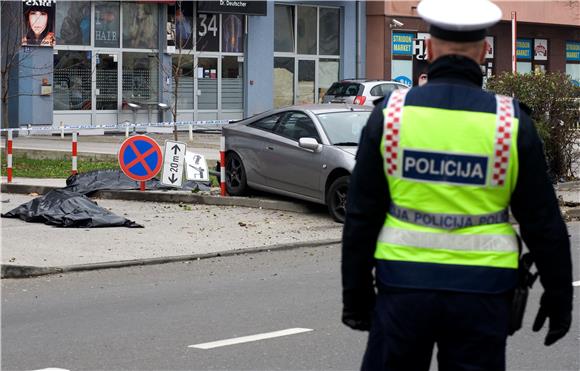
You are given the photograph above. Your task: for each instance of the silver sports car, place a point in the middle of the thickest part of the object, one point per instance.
(306, 152)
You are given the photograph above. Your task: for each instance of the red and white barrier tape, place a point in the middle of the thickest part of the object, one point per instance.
(9, 156)
(223, 166)
(74, 153)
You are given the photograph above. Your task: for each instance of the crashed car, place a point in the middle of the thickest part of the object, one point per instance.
(306, 152)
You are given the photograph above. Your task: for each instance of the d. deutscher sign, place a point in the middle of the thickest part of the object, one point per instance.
(233, 6)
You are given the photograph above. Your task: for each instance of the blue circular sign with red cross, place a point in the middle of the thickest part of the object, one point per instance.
(140, 157)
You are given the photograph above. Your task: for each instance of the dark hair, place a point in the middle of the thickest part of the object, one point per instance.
(30, 36)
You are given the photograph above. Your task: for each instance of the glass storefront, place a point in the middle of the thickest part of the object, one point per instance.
(306, 53)
(108, 54)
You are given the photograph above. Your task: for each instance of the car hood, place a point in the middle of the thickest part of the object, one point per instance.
(348, 149)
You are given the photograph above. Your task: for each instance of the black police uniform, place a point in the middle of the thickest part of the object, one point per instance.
(470, 328)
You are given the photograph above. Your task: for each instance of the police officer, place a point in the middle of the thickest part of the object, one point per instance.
(437, 168)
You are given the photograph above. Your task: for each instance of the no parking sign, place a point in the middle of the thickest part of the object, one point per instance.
(140, 157)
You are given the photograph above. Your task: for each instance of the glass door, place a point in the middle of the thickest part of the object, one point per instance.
(207, 83)
(106, 82)
(305, 91)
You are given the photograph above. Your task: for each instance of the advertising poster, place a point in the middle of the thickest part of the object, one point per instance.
(540, 49)
(107, 27)
(420, 63)
(140, 25)
(38, 27)
(180, 26)
(232, 33)
(490, 47)
(73, 23)
(524, 48)
(572, 51)
(403, 43)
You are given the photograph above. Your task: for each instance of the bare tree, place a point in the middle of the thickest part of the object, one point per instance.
(180, 58)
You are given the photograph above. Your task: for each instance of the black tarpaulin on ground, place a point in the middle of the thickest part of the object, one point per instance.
(64, 208)
(70, 206)
(99, 180)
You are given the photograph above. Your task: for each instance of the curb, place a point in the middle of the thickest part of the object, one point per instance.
(24, 271)
(174, 197)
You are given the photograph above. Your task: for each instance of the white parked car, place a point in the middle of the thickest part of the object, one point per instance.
(361, 92)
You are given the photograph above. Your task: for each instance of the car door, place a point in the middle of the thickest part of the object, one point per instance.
(250, 145)
(288, 167)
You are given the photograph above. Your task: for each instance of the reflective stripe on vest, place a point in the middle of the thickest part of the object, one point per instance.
(450, 175)
(446, 221)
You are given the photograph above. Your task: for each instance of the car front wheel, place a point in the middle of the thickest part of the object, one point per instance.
(336, 198)
(236, 184)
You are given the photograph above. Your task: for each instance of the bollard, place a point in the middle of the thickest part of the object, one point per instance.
(74, 153)
(127, 131)
(61, 132)
(190, 132)
(223, 166)
(9, 156)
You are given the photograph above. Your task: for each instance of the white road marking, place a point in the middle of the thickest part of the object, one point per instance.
(247, 339)
(577, 283)
(51, 369)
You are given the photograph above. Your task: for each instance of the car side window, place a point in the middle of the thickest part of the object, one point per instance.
(388, 88)
(377, 91)
(267, 123)
(297, 125)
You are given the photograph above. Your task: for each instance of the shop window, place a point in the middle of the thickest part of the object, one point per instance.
(207, 83)
(284, 28)
(140, 78)
(317, 35)
(306, 28)
(328, 72)
(107, 29)
(329, 31)
(208, 37)
(573, 61)
(232, 83)
(306, 71)
(140, 25)
(183, 72)
(283, 81)
(232, 33)
(179, 26)
(72, 80)
(73, 23)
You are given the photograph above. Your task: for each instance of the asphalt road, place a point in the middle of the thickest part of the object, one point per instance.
(145, 318)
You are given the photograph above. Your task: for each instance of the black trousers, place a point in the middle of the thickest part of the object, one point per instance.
(470, 331)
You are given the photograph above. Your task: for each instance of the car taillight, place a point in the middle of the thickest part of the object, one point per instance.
(360, 100)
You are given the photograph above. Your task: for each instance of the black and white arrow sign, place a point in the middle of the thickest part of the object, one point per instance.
(173, 161)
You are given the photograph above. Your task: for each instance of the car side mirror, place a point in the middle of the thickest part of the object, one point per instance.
(309, 143)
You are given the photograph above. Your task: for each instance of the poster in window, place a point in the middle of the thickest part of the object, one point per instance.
(490, 47)
(540, 49)
(180, 26)
(107, 24)
(232, 33)
(38, 23)
(208, 39)
(73, 23)
(140, 25)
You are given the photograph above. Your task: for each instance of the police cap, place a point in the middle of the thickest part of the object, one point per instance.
(459, 20)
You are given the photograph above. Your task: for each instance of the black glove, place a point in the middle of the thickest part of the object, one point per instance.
(558, 307)
(357, 321)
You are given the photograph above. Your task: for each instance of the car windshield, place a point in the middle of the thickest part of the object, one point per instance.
(344, 128)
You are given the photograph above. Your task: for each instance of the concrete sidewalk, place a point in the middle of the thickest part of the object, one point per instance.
(228, 225)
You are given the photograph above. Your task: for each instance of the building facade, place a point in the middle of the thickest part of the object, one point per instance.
(548, 39)
(214, 60)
